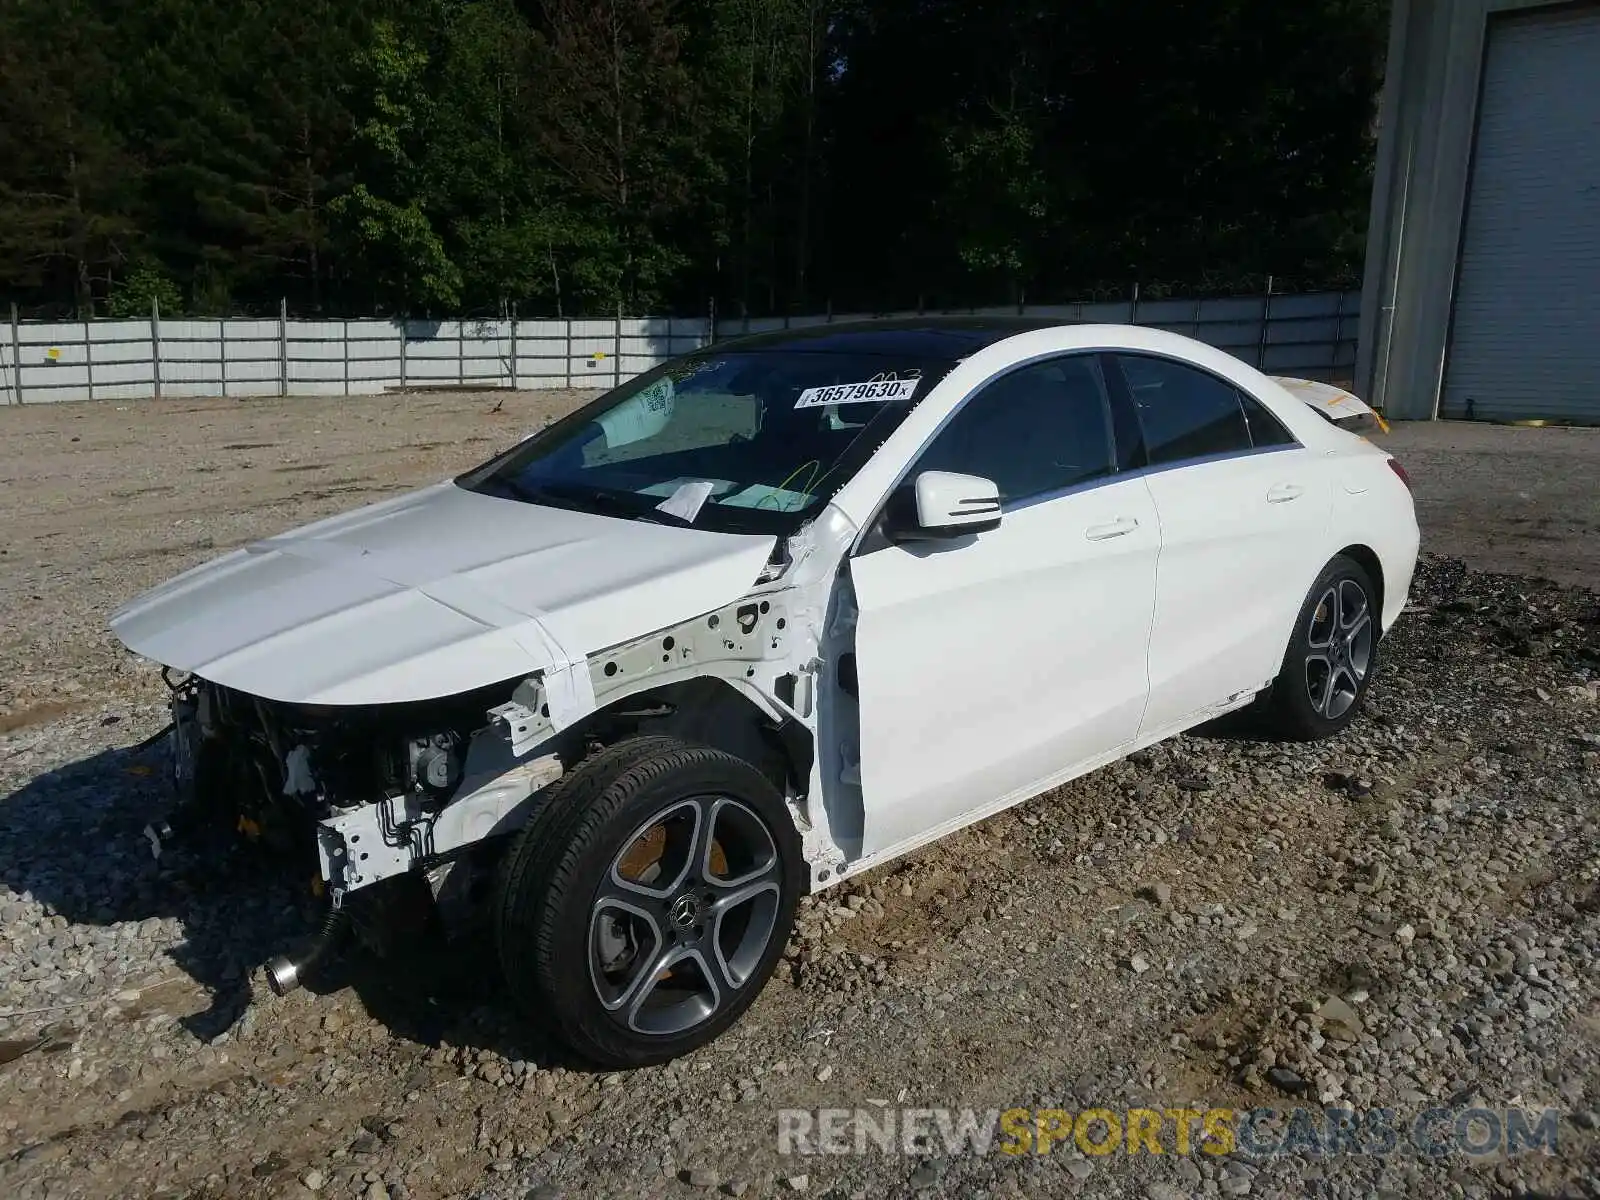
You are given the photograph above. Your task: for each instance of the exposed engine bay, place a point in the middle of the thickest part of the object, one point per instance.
(360, 789)
(284, 769)
(419, 793)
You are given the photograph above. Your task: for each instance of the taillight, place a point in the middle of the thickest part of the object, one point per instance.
(1394, 465)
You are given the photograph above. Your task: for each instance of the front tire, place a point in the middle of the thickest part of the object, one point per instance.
(649, 901)
(1331, 658)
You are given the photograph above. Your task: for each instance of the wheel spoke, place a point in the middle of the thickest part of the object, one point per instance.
(614, 995)
(630, 897)
(1325, 615)
(681, 1013)
(1363, 623)
(1318, 669)
(733, 899)
(680, 865)
(1326, 702)
(654, 971)
(1359, 650)
(705, 834)
(1340, 698)
(761, 858)
(1351, 614)
(1358, 635)
(755, 904)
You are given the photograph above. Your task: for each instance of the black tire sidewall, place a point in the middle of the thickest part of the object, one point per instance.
(582, 848)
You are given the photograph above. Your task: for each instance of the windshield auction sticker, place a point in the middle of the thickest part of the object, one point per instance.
(877, 391)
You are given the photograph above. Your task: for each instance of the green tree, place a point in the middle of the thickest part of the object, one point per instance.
(297, 94)
(141, 289)
(512, 234)
(617, 118)
(237, 111)
(758, 103)
(997, 207)
(595, 155)
(387, 231)
(67, 182)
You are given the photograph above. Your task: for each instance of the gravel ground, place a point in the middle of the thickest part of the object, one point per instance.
(1406, 916)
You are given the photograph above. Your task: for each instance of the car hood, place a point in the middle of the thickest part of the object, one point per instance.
(429, 594)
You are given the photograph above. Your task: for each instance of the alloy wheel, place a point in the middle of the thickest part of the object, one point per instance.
(684, 915)
(1339, 646)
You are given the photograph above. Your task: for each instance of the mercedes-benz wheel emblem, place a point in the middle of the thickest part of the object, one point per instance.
(685, 912)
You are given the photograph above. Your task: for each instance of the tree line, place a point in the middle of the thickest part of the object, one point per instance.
(570, 157)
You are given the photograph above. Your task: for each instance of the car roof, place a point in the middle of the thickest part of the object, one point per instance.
(950, 338)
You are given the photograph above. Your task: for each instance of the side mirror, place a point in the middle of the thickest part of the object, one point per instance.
(944, 504)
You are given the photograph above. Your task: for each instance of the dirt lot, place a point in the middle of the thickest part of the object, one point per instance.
(1524, 501)
(1405, 917)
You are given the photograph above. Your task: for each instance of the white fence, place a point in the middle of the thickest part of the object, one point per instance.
(130, 360)
(41, 362)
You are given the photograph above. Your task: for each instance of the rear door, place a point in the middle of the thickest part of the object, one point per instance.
(1243, 510)
(991, 663)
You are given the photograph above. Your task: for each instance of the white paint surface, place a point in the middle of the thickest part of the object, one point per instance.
(990, 666)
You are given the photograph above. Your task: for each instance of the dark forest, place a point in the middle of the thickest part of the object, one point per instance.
(572, 157)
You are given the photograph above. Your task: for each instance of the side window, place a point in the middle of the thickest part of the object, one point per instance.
(1039, 429)
(1186, 413)
(1265, 429)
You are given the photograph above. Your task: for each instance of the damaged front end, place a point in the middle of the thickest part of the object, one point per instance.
(374, 793)
(406, 807)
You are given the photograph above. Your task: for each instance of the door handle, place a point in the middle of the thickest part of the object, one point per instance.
(1284, 492)
(1121, 527)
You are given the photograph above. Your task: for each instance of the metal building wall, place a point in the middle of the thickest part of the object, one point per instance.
(1525, 330)
(1429, 116)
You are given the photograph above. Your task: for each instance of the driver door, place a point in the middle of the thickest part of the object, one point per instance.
(990, 666)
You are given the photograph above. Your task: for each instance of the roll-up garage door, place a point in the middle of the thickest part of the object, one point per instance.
(1525, 336)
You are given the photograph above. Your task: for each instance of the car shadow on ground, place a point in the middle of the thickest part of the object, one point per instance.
(72, 839)
(1241, 725)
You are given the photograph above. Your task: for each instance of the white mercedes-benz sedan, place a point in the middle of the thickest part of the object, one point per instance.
(764, 618)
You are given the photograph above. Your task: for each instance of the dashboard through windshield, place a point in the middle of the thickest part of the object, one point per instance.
(737, 442)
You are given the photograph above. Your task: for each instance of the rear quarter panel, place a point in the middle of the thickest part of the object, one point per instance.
(1373, 508)
(1370, 506)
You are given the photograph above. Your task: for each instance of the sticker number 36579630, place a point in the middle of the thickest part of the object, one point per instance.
(879, 391)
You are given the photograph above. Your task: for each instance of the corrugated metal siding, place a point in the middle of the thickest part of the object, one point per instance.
(1525, 341)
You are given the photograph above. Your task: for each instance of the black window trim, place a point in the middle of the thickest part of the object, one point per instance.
(1116, 380)
(871, 537)
(1114, 389)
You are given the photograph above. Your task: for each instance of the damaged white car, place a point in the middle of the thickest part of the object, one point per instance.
(762, 619)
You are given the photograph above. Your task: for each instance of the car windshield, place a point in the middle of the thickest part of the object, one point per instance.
(748, 441)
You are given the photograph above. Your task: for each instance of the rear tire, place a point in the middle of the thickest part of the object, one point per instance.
(1332, 655)
(648, 902)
